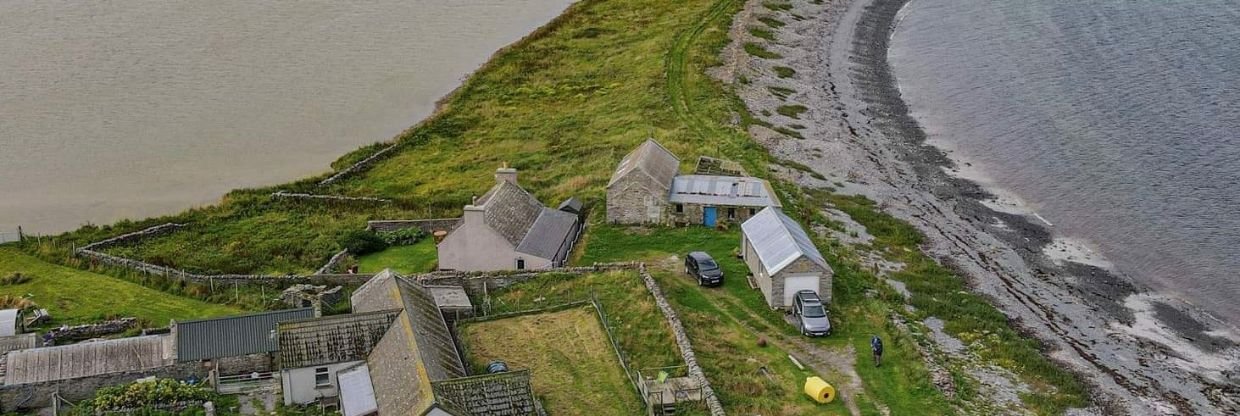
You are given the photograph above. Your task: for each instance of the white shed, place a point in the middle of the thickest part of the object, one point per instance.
(783, 259)
(10, 322)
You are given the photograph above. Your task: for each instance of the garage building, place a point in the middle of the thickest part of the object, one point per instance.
(783, 259)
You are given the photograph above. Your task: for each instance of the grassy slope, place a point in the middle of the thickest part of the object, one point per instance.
(573, 366)
(563, 107)
(76, 296)
(420, 257)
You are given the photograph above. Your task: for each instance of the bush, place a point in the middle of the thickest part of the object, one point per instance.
(14, 279)
(405, 237)
(144, 394)
(362, 242)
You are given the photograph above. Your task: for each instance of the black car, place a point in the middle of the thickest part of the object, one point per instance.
(700, 266)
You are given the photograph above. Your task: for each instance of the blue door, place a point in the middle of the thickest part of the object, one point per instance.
(708, 216)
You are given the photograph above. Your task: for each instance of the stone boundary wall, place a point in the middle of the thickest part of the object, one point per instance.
(360, 165)
(292, 195)
(682, 341)
(134, 236)
(333, 262)
(31, 396)
(479, 283)
(428, 226)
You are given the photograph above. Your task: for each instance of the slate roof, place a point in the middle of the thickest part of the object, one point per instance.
(722, 190)
(550, 235)
(651, 159)
(779, 240)
(572, 205)
(501, 394)
(232, 336)
(85, 359)
(417, 350)
(510, 211)
(330, 340)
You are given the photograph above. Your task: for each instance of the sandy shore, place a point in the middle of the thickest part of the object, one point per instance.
(1143, 353)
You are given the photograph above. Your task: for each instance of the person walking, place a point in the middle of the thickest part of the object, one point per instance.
(876, 345)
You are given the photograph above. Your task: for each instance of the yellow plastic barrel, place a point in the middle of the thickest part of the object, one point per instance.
(819, 390)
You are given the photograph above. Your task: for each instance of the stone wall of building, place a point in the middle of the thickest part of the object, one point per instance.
(689, 214)
(636, 199)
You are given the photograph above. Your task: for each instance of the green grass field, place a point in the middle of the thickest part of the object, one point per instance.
(420, 257)
(75, 296)
(573, 368)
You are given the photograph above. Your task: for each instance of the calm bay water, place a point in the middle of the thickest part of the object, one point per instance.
(135, 108)
(1117, 121)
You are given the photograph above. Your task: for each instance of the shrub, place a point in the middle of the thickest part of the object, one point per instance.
(14, 279)
(144, 394)
(404, 237)
(362, 242)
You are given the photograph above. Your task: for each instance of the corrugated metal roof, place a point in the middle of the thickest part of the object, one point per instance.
(722, 190)
(779, 240)
(9, 322)
(233, 335)
(330, 340)
(357, 395)
(651, 159)
(85, 359)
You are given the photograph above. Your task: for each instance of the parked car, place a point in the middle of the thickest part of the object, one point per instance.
(811, 314)
(703, 268)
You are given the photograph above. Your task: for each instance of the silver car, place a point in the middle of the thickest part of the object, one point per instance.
(811, 314)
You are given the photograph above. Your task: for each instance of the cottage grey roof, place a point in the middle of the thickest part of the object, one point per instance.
(85, 359)
(572, 205)
(651, 159)
(722, 190)
(418, 349)
(232, 336)
(501, 394)
(779, 240)
(330, 340)
(510, 211)
(550, 235)
(9, 322)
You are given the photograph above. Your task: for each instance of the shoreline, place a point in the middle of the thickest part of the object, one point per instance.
(1123, 340)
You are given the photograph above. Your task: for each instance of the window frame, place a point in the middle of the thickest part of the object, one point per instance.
(326, 374)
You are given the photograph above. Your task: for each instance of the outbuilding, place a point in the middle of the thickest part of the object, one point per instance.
(783, 259)
(11, 322)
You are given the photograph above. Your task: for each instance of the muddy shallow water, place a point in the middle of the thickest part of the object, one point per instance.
(140, 108)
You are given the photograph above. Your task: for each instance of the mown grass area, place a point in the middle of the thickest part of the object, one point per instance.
(635, 319)
(420, 257)
(573, 368)
(76, 296)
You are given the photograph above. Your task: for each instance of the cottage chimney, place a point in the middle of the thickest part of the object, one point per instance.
(506, 174)
(473, 215)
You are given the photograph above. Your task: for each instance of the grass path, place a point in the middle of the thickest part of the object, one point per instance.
(76, 296)
(678, 70)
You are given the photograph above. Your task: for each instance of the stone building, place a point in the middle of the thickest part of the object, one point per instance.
(314, 351)
(783, 259)
(507, 228)
(637, 192)
(647, 188)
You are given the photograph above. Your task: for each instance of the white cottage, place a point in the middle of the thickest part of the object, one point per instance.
(783, 259)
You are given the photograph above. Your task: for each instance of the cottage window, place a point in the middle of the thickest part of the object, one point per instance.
(751, 212)
(520, 264)
(680, 208)
(322, 378)
(731, 213)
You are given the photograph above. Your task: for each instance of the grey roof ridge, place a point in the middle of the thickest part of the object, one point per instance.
(779, 214)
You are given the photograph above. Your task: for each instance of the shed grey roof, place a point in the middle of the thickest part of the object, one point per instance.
(652, 159)
(501, 394)
(722, 190)
(232, 335)
(572, 205)
(450, 297)
(330, 340)
(357, 394)
(550, 235)
(85, 359)
(9, 322)
(510, 211)
(779, 240)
